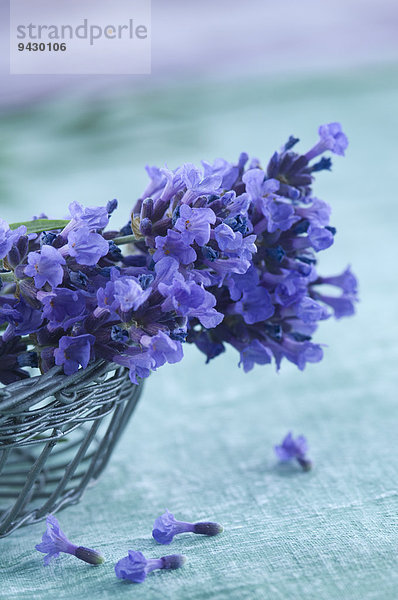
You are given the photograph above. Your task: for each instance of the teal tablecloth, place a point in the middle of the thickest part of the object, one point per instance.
(201, 440)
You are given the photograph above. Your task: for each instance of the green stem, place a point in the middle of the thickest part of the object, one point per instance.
(7, 277)
(125, 239)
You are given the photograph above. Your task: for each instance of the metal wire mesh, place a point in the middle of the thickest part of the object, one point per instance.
(56, 436)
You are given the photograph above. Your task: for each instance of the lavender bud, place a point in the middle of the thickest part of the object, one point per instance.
(161, 227)
(89, 556)
(115, 252)
(146, 226)
(14, 257)
(147, 209)
(173, 561)
(159, 209)
(208, 528)
(111, 206)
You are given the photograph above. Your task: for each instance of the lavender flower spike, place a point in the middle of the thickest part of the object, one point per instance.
(135, 567)
(166, 527)
(292, 448)
(55, 541)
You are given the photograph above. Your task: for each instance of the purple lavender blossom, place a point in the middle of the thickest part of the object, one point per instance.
(343, 306)
(140, 365)
(85, 247)
(54, 541)
(175, 246)
(227, 239)
(45, 267)
(174, 185)
(254, 353)
(278, 214)
(62, 307)
(188, 298)
(23, 319)
(95, 217)
(258, 186)
(297, 351)
(309, 311)
(237, 284)
(135, 567)
(234, 244)
(9, 237)
(320, 237)
(196, 184)
(206, 344)
(255, 305)
(129, 294)
(194, 224)
(162, 349)
(332, 138)
(346, 281)
(157, 182)
(229, 172)
(317, 212)
(73, 352)
(181, 295)
(291, 448)
(166, 527)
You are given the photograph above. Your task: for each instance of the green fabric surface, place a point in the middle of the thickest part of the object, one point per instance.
(201, 441)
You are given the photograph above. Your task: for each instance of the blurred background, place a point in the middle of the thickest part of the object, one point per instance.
(230, 77)
(226, 77)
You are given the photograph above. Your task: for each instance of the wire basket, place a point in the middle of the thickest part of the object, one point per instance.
(57, 434)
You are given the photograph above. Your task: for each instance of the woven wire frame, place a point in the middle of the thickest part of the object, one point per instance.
(57, 434)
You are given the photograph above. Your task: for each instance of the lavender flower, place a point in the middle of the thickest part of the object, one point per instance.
(332, 138)
(135, 567)
(45, 267)
(255, 353)
(346, 281)
(255, 305)
(196, 185)
(62, 307)
(162, 349)
(54, 541)
(194, 224)
(73, 352)
(176, 246)
(87, 248)
(291, 448)
(223, 255)
(96, 217)
(129, 294)
(9, 237)
(166, 527)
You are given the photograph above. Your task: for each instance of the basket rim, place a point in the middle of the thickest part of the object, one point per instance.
(21, 395)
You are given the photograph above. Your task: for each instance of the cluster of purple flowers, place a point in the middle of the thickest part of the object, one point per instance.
(222, 254)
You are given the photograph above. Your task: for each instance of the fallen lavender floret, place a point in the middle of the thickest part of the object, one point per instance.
(166, 527)
(54, 541)
(291, 448)
(135, 567)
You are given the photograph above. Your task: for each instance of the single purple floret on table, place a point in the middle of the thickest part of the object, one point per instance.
(223, 255)
(166, 527)
(54, 541)
(294, 449)
(135, 567)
